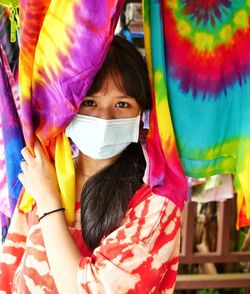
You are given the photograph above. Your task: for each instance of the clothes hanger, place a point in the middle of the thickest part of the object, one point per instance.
(14, 17)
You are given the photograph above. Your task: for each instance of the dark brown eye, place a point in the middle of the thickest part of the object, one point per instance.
(122, 104)
(88, 103)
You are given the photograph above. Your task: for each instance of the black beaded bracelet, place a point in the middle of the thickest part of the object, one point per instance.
(52, 211)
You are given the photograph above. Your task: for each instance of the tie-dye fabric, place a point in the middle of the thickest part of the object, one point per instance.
(4, 193)
(207, 69)
(58, 61)
(141, 256)
(165, 171)
(57, 67)
(9, 52)
(12, 139)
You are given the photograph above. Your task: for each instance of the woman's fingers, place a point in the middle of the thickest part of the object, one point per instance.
(21, 178)
(23, 166)
(39, 152)
(27, 155)
(38, 175)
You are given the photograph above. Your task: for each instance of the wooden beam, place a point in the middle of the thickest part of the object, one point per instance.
(214, 257)
(213, 281)
(224, 211)
(188, 225)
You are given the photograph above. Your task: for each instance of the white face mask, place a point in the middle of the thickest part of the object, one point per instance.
(103, 138)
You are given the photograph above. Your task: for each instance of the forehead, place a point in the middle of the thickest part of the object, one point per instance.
(112, 84)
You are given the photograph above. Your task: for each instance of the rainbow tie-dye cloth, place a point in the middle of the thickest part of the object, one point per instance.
(63, 44)
(11, 137)
(205, 63)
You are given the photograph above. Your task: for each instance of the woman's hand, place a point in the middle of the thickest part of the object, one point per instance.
(39, 177)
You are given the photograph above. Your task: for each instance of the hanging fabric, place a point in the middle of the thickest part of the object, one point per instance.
(9, 74)
(13, 17)
(56, 70)
(12, 141)
(207, 70)
(166, 173)
(63, 44)
(216, 188)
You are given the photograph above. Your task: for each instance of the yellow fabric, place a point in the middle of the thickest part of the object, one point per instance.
(66, 175)
(27, 202)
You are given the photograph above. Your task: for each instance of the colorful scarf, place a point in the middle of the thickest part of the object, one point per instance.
(9, 123)
(166, 175)
(207, 72)
(63, 44)
(12, 138)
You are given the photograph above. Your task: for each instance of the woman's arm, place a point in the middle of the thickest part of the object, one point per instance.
(39, 179)
(62, 253)
(139, 257)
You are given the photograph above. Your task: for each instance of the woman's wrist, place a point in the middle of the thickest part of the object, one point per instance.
(48, 204)
(50, 212)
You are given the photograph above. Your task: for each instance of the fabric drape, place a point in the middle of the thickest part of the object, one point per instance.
(207, 74)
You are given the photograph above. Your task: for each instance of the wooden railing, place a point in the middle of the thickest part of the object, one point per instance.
(221, 255)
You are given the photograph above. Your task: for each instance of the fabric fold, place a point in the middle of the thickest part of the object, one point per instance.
(208, 57)
(12, 135)
(166, 174)
(58, 60)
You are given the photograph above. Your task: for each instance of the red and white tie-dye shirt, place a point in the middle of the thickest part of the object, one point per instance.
(141, 256)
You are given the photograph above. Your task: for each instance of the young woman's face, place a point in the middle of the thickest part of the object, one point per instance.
(110, 103)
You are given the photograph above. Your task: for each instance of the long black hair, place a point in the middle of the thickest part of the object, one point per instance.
(105, 195)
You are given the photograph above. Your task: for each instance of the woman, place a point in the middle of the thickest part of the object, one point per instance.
(128, 239)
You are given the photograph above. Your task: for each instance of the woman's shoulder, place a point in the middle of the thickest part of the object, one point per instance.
(145, 196)
(149, 218)
(146, 209)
